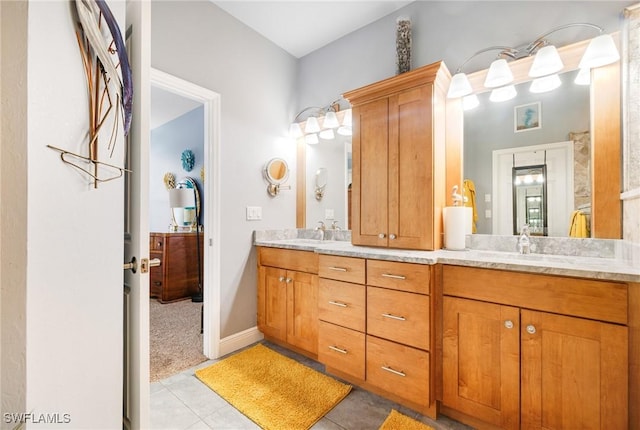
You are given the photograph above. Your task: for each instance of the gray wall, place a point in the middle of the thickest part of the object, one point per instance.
(200, 43)
(490, 127)
(165, 155)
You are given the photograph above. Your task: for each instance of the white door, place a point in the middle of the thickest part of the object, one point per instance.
(136, 241)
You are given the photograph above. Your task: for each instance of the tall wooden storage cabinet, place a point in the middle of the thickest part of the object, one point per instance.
(400, 159)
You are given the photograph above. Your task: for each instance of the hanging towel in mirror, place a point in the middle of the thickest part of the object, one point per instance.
(579, 225)
(469, 197)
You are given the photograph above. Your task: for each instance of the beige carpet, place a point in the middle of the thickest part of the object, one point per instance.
(272, 390)
(398, 421)
(175, 342)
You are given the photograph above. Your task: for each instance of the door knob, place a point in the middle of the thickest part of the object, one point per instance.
(131, 265)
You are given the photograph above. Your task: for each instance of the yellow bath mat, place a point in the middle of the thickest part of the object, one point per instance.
(398, 421)
(274, 391)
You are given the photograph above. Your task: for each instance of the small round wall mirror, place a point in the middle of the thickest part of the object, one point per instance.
(276, 172)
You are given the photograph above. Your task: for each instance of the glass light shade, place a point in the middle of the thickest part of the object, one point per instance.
(503, 94)
(347, 119)
(311, 139)
(600, 52)
(583, 77)
(330, 120)
(545, 84)
(295, 130)
(345, 131)
(327, 134)
(312, 125)
(459, 86)
(470, 102)
(499, 74)
(546, 62)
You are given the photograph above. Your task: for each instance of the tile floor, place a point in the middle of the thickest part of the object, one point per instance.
(182, 402)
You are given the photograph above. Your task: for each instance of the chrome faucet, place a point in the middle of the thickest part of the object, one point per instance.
(524, 242)
(334, 225)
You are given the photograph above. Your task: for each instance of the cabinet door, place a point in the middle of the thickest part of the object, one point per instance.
(411, 168)
(302, 310)
(370, 170)
(272, 302)
(574, 373)
(481, 361)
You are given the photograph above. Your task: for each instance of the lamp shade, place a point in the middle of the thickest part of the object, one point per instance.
(295, 131)
(312, 125)
(459, 86)
(330, 120)
(583, 77)
(347, 119)
(545, 84)
(499, 74)
(345, 131)
(182, 198)
(503, 94)
(600, 52)
(311, 139)
(470, 102)
(546, 62)
(327, 134)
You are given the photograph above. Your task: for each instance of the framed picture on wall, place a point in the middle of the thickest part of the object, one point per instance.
(527, 117)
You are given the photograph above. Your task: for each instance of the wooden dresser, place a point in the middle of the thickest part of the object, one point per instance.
(177, 276)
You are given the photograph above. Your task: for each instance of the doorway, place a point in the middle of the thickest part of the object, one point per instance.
(196, 97)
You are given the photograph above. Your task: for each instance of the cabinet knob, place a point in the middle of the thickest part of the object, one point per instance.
(508, 324)
(531, 329)
(392, 236)
(281, 279)
(158, 283)
(382, 236)
(288, 280)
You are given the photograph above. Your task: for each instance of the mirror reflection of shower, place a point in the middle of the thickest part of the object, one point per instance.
(530, 199)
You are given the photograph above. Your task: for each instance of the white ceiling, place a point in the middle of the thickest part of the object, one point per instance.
(300, 27)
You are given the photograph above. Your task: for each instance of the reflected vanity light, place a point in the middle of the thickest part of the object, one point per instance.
(601, 51)
(583, 77)
(470, 102)
(322, 123)
(503, 94)
(545, 84)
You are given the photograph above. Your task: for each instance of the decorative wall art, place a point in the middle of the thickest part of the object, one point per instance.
(188, 160)
(403, 45)
(527, 117)
(169, 180)
(110, 92)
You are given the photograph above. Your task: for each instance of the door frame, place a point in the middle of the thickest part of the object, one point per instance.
(211, 200)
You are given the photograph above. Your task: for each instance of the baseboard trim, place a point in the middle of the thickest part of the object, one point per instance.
(239, 340)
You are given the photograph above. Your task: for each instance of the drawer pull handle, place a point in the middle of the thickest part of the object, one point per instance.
(336, 349)
(394, 371)
(337, 269)
(394, 317)
(342, 305)
(389, 275)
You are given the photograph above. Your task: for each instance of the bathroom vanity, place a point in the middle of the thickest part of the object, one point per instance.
(493, 339)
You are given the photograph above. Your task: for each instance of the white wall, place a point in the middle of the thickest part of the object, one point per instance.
(63, 289)
(200, 43)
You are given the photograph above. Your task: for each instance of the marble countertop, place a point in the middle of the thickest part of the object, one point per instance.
(613, 269)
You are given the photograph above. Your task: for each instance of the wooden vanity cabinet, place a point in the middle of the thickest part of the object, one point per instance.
(534, 351)
(400, 159)
(375, 319)
(288, 298)
(177, 276)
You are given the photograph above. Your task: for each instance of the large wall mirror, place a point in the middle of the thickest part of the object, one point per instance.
(571, 113)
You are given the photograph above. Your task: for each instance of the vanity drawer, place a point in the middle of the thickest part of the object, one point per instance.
(598, 300)
(342, 303)
(399, 276)
(156, 242)
(292, 259)
(398, 369)
(399, 316)
(342, 349)
(348, 269)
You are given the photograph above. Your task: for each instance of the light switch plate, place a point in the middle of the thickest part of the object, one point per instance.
(254, 213)
(328, 214)
(487, 198)
(487, 213)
